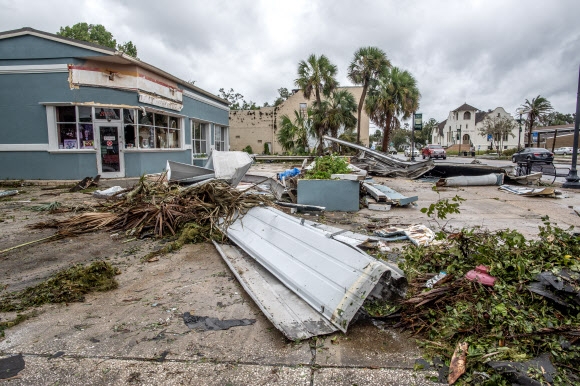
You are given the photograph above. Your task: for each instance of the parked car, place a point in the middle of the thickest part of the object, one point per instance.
(434, 151)
(564, 150)
(536, 154)
(392, 150)
(408, 152)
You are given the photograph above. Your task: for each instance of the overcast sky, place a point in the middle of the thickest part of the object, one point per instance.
(487, 53)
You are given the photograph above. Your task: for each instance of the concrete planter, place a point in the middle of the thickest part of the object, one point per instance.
(335, 195)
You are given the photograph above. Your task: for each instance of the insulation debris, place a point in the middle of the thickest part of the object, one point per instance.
(418, 234)
(530, 192)
(488, 179)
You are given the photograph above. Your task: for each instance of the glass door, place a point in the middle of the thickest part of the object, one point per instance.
(110, 161)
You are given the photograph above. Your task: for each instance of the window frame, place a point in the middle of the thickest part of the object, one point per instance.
(204, 130)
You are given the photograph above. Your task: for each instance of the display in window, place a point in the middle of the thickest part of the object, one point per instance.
(103, 113)
(129, 136)
(87, 136)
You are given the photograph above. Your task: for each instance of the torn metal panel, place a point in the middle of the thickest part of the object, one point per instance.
(266, 184)
(526, 179)
(295, 318)
(485, 180)
(384, 164)
(330, 276)
(525, 191)
(230, 166)
(449, 169)
(184, 173)
(394, 197)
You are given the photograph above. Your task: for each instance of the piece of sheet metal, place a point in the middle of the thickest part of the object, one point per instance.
(394, 197)
(230, 166)
(295, 318)
(330, 276)
(184, 173)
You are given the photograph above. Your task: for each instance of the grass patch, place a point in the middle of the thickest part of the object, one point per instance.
(70, 285)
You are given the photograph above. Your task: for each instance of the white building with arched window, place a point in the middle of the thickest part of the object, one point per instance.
(463, 126)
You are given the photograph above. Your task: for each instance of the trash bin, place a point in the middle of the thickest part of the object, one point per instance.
(473, 154)
(465, 154)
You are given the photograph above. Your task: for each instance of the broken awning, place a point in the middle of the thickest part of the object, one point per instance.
(332, 277)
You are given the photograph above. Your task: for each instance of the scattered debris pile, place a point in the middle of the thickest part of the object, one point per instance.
(383, 164)
(153, 208)
(524, 301)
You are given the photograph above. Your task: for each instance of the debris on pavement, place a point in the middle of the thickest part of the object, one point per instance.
(11, 366)
(206, 323)
(418, 234)
(485, 180)
(230, 166)
(435, 279)
(481, 275)
(85, 183)
(528, 179)
(7, 193)
(332, 277)
(530, 192)
(334, 195)
(107, 193)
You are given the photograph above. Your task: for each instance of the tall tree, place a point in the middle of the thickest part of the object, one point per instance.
(394, 95)
(368, 63)
(316, 75)
(499, 128)
(424, 137)
(293, 134)
(98, 34)
(335, 113)
(538, 107)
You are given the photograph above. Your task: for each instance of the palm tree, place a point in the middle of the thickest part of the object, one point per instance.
(293, 135)
(333, 114)
(535, 109)
(316, 75)
(394, 95)
(367, 65)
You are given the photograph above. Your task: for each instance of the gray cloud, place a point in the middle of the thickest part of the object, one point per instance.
(486, 53)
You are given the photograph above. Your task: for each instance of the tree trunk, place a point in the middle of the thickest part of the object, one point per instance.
(387, 133)
(360, 106)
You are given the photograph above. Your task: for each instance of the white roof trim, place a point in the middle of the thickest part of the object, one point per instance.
(23, 146)
(34, 69)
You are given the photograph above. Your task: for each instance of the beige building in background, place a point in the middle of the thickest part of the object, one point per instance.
(258, 128)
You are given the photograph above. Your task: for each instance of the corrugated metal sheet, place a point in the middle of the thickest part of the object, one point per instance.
(287, 312)
(330, 276)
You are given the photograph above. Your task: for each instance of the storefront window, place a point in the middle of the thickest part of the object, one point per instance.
(74, 127)
(159, 131)
(199, 138)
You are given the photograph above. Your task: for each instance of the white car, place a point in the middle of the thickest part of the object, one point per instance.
(564, 150)
(408, 152)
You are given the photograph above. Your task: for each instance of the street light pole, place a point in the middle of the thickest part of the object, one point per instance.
(460, 140)
(413, 138)
(572, 180)
(520, 133)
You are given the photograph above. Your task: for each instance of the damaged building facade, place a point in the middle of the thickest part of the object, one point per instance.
(259, 128)
(463, 125)
(73, 109)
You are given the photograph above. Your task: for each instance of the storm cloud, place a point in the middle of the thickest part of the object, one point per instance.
(486, 53)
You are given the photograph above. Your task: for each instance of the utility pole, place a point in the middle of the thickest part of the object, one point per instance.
(572, 180)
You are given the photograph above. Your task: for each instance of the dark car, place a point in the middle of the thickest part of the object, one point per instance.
(434, 151)
(534, 154)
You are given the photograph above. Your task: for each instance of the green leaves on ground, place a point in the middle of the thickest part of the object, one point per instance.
(70, 285)
(504, 322)
(326, 166)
